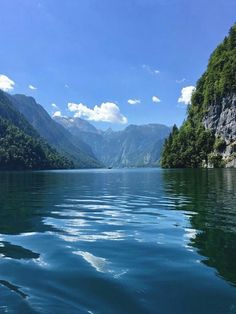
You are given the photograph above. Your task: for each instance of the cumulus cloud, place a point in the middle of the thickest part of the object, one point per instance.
(150, 70)
(32, 87)
(57, 114)
(106, 112)
(54, 106)
(6, 83)
(155, 99)
(134, 101)
(186, 94)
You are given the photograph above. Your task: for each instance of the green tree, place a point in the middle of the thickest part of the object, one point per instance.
(192, 144)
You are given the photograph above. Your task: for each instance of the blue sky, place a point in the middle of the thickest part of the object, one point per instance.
(105, 52)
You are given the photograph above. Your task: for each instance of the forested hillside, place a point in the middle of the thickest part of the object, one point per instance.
(57, 136)
(20, 145)
(208, 136)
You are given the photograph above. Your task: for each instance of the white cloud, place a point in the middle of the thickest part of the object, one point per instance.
(32, 87)
(54, 106)
(57, 114)
(156, 99)
(6, 84)
(181, 81)
(106, 112)
(186, 94)
(66, 86)
(134, 101)
(150, 70)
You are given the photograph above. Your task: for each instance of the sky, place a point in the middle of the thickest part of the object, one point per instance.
(112, 62)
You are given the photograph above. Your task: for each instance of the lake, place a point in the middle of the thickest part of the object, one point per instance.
(118, 241)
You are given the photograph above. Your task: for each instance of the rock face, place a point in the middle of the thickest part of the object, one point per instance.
(135, 146)
(207, 137)
(76, 125)
(221, 118)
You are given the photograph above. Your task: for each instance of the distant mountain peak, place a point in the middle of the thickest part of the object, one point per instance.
(134, 146)
(76, 124)
(54, 133)
(109, 131)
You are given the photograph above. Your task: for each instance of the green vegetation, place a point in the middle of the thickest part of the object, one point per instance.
(215, 160)
(219, 145)
(188, 146)
(21, 147)
(51, 146)
(20, 151)
(192, 145)
(72, 147)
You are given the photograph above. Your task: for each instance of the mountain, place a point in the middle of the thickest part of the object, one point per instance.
(57, 136)
(208, 136)
(135, 146)
(76, 125)
(21, 147)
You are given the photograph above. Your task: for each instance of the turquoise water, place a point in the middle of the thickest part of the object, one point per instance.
(118, 241)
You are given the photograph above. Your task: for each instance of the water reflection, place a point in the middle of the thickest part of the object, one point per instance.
(212, 195)
(24, 199)
(16, 251)
(99, 263)
(13, 288)
(121, 241)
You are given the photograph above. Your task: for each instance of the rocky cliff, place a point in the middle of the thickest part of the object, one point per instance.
(221, 118)
(208, 135)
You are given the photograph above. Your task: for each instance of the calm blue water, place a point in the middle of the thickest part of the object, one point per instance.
(118, 241)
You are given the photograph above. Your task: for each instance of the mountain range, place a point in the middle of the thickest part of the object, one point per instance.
(31, 139)
(21, 147)
(135, 146)
(56, 135)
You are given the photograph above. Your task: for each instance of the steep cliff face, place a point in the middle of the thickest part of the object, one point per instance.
(208, 136)
(221, 118)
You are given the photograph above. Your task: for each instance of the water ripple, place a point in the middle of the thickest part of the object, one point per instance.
(118, 241)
